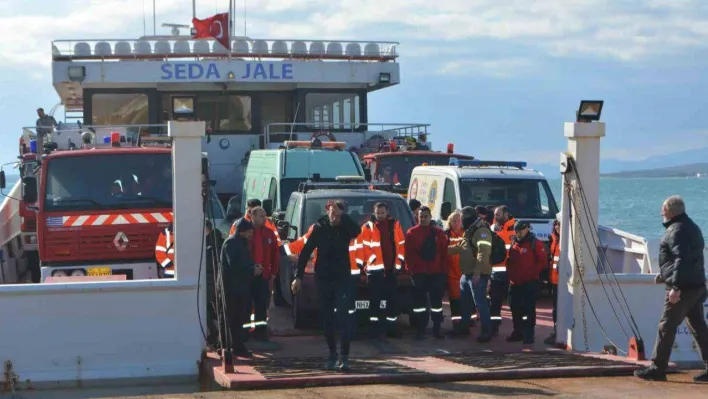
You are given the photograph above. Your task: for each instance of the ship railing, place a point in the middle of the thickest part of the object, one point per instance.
(66, 134)
(366, 137)
(184, 47)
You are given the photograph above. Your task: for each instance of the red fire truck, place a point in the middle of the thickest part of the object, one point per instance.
(98, 207)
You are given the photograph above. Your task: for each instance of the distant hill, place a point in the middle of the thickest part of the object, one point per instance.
(689, 170)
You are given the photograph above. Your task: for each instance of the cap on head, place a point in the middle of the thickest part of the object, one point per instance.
(244, 225)
(521, 225)
(480, 210)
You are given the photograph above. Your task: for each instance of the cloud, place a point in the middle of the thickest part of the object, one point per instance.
(497, 68)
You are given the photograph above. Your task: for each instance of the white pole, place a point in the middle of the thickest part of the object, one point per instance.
(194, 8)
(244, 19)
(154, 19)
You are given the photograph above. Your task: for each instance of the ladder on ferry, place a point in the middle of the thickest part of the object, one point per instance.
(74, 111)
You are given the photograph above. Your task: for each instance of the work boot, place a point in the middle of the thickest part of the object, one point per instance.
(437, 333)
(460, 332)
(241, 351)
(651, 373)
(550, 340)
(702, 377)
(515, 337)
(344, 365)
(331, 362)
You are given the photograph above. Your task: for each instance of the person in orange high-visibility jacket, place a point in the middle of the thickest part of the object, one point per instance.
(165, 252)
(383, 252)
(499, 287)
(553, 258)
(455, 234)
(264, 252)
(268, 223)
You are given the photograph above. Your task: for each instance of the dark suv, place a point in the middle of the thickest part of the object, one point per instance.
(304, 208)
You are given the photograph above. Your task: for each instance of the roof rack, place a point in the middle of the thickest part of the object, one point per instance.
(480, 163)
(310, 185)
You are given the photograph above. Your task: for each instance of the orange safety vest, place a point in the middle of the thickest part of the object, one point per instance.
(454, 274)
(370, 247)
(295, 247)
(505, 233)
(268, 223)
(555, 257)
(165, 251)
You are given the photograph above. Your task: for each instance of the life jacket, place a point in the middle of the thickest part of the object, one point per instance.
(165, 251)
(554, 254)
(454, 274)
(505, 233)
(268, 223)
(295, 247)
(370, 248)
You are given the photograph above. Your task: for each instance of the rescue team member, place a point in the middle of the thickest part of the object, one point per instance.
(331, 237)
(265, 252)
(252, 203)
(388, 175)
(527, 257)
(553, 258)
(214, 243)
(238, 271)
(682, 270)
(475, 251)
(499, 287)
(382, 250)
(455, 234)
(165, 252)
(426, 258)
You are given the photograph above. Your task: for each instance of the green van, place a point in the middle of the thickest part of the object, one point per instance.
(272, 175)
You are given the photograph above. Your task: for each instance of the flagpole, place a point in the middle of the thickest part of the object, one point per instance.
(194, 9)
(231, 13)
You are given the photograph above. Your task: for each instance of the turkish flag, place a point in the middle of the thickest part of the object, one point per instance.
(216, 27)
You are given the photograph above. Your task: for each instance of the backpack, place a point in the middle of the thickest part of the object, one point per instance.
(429, 249)
(499, 252)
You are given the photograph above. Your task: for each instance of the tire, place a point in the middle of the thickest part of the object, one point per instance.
(278, 298)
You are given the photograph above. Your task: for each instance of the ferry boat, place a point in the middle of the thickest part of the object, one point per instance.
(263, 93)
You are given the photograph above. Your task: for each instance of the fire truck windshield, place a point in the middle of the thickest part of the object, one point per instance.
(526, 198)
(397, 168)
(105, 182)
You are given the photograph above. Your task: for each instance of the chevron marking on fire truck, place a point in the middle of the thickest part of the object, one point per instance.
(124, 218)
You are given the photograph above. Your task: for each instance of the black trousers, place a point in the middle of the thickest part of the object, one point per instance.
(455, 313)
(260, 301)
(690, 307)
(383, 287)
(554, 295)
(337, 311)
(498, 293)
(428, 286)
(522, 300)
(239, 313)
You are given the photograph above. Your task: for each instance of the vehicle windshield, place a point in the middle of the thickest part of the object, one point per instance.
(398, 168)
(216, 209)
(289, 186)
(360, 209)
(527, 198)
(105, 182)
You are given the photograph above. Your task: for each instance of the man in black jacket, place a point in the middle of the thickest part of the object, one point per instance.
(213, 241)
(331, 236)
(682, 270)
(238, 270)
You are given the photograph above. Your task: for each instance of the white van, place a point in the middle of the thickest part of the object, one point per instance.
(488, 183)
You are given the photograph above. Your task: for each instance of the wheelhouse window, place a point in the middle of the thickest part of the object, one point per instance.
(333, 111)
(107, 182)
(225, 113)
(119, 109)
(397, 169)
(527, 198)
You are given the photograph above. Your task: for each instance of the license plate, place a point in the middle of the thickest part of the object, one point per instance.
(99, 271)
(365, 305)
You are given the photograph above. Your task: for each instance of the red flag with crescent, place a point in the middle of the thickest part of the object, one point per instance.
(216, 27)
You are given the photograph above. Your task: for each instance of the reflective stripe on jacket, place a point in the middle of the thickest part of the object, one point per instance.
(370, 246)
(554, 254)
(453, 265)
(505, 233)
(165, 251)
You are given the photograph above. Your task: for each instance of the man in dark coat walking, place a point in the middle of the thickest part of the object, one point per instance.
(683, 273)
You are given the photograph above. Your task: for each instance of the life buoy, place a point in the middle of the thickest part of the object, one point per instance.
(329, 135)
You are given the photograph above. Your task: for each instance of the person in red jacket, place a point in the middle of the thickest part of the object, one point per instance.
(527, 257)
(265, 252)
(426, 258)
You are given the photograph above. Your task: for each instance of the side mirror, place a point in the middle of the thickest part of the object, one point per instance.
(267, 205)
(29, 189)
(367, 174)
(3, 181)
(279, 216)
(283, 228)
(445, 210)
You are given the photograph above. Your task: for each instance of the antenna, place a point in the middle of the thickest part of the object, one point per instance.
(144, 20)
(244, 22)
(292, 125)
(154, 19)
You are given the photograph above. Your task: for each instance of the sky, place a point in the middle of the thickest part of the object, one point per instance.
(496, 77)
